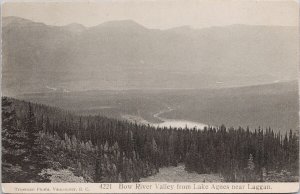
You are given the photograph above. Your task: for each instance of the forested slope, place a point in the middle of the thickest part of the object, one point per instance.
(37, 138)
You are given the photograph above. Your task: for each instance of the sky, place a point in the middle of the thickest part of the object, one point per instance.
(159, 14)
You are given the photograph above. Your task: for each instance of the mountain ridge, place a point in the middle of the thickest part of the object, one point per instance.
(19, 19)
(128, 55)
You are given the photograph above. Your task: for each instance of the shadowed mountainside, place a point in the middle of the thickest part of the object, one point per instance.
(126, 55)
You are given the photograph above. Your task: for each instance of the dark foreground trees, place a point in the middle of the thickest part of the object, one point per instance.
(22, 154)
(107, 150)
(242, 155)
(13, 141)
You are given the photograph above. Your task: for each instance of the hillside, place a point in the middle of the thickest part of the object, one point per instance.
(125, 55)
(98, 149)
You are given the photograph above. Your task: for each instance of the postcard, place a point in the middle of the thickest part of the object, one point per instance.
(150, 96)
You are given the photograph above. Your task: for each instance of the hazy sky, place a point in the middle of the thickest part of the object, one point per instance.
(159, 13)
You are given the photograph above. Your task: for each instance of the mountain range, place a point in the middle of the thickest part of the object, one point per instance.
(126, 55)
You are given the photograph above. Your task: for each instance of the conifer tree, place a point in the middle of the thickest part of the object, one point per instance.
(35, 160)
(13, 141)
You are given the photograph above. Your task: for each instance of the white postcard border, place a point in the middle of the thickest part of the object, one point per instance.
(151, 187)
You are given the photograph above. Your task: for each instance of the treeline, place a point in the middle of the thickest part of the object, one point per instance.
(107, 150)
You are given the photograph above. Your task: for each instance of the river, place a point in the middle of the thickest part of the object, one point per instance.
(175, 123)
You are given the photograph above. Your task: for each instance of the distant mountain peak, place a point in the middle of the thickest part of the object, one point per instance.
(185, 27)
(181, 29)
(14, 20)
(75, 27)
(121, 24)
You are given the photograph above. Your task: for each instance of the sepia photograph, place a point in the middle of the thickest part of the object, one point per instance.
(150, 91)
